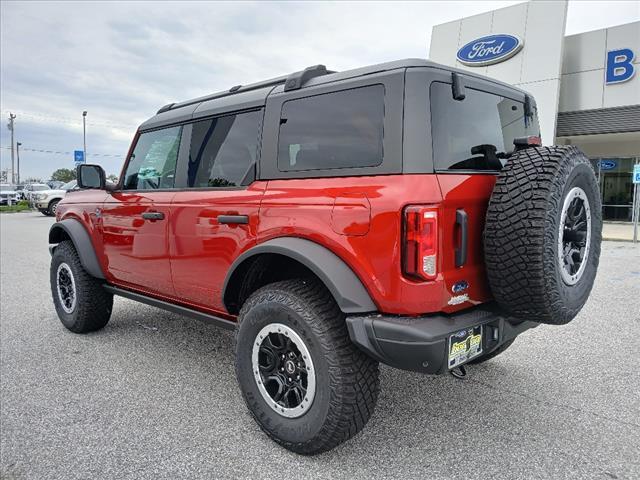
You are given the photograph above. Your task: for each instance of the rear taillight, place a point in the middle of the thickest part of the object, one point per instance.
(420, 242)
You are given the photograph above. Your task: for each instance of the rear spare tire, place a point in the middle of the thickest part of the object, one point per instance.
(542, 234)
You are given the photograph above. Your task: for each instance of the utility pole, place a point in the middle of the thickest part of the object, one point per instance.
(84, 135)
(10, 127)
(18, 157)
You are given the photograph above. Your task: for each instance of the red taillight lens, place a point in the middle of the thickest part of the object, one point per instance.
(421, 242)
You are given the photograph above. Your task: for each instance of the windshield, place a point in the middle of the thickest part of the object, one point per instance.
(69, 185)
(7, 188)
(476, 133)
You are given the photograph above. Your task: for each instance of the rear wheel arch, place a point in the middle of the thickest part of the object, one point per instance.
(73, 230)
(290, 257)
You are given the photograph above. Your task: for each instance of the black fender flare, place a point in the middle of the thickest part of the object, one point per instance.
(345, 286)
(74, 229)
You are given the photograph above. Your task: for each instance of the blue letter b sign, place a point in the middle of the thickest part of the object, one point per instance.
(619, 65)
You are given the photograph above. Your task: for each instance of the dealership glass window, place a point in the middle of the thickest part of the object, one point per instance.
(334, 130)
(153, 162)
(223, 150)
(476, 133)
(616, 187)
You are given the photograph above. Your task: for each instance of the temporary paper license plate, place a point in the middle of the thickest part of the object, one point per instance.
(465, 345)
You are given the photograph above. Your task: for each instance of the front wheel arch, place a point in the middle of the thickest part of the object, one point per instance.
(73, 230)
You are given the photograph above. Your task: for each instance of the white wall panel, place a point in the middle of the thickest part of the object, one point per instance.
(624, 36)
(513, 21)
(546, 95)
(581, 91)
(585, 51)
(444, 42)
(620, 94)
(543, 40)
(470, 29)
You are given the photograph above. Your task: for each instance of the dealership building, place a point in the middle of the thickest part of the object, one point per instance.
(586, 86)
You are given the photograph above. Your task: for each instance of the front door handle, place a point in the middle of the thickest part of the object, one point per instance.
(153, 216)
(231, 219)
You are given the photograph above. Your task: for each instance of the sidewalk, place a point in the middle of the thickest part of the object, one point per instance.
(618, 231)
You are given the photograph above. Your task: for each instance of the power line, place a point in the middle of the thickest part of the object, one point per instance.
(71, 121)
(55, 152)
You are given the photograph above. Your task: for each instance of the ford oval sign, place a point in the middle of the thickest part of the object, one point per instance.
(490, 49)
(608, 164)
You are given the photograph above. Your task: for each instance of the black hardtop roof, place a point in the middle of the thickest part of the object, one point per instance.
(255, 94)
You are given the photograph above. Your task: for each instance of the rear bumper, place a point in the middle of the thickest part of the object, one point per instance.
(421, 343)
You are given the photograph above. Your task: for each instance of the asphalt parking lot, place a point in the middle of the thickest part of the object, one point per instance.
(153, 395)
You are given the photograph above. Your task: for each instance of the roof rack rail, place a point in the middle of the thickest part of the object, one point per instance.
(297, 80)
(166, 107)
(291, 82)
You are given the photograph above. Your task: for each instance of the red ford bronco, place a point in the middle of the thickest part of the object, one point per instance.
(402, 213)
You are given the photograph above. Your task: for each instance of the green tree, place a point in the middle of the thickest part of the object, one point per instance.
(63, 175)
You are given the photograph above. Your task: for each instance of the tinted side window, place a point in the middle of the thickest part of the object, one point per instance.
(153, 162)
(335, 130)
(476, 133)
(223, 150)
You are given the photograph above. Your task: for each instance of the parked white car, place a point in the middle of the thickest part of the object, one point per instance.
(8, 192)
(31, 188)
(46, 201)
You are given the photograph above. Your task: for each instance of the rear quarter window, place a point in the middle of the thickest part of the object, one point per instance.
(476, 133)
(333, 130)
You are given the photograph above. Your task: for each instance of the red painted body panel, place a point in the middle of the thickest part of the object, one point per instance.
(201, 249)
(303, 208)
(185, 257)
(137, 250)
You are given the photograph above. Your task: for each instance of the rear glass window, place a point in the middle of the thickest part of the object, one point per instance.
(223, 150)
(476, 133)
(335, 130)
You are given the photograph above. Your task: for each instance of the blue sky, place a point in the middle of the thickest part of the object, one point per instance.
(121, 61)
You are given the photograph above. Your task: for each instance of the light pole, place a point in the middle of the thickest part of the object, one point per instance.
(84, 135)
(18, 155)
(10, 127)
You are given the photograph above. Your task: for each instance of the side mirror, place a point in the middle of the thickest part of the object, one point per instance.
(91, 176)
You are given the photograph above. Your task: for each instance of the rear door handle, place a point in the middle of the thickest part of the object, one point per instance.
(153, 216)
(233, 219)
(461, 250)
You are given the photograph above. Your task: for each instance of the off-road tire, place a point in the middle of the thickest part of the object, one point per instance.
(347, 382)
(93, 303)
(522, 233)
(495, 353)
